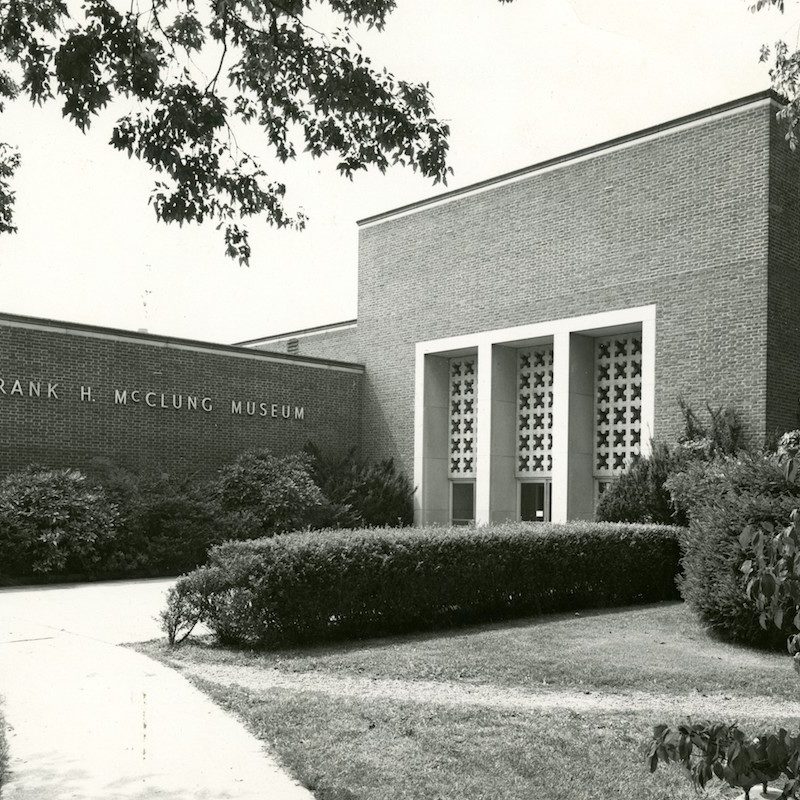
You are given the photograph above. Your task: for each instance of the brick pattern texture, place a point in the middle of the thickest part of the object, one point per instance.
(783, 348)
(69, 431)
(337, 345)
(681, 220)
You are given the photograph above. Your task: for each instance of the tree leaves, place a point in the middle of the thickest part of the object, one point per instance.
(307, 91)
(9, 161)
(761, 4)
(187, 32)
(715, 749)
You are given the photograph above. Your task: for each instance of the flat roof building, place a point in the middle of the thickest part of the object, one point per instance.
(525, 337)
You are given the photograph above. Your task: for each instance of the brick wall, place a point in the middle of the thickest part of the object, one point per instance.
(341, 344)
(783, 362)
(69, 431)
(679, 220)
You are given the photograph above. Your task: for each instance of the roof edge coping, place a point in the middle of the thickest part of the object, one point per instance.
(730, 105)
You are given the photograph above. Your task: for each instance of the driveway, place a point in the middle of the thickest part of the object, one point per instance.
(90, 720)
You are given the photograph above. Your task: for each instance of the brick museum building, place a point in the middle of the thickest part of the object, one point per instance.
(518, 341)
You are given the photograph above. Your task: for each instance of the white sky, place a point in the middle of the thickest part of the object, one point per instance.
(518, 83)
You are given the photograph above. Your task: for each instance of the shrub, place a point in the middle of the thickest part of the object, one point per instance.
(708, 750)
(723, 435)
(771, 573)
(265, 494)
(314, 586)
(722, 497)
(713, 583)
(166, 523)
(52, 521)
(362, 494)
(187, 603)
(640, 494)
(701, 483)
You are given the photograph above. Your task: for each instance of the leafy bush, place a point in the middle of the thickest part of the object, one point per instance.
(52, 521)
(716, 750)
(264, 494)
(771, 571)
(314, 586)
(640, 494)
(722, 435)
(713, 583)
(722, 497)
(188, 603)
(701, 483)
(362, 494)
(166, 523)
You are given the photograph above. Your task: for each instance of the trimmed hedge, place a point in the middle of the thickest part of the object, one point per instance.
(310, 587)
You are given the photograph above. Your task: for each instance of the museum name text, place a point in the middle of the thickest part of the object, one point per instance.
(49, 390)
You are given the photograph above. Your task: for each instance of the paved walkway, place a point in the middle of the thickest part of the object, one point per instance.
(94, 721)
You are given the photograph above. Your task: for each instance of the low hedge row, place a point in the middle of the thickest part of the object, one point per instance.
(309, 587)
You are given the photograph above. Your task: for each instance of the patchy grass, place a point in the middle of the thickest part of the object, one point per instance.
(654, 648)
(351, 746)
(344, 748)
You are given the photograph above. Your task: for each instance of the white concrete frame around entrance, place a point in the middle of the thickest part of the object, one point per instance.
(573, 405)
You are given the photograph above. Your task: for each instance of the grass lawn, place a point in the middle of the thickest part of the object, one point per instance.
(468, 714)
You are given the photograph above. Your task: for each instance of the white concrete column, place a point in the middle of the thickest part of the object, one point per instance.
(432, 498)
(648, 381)
(503, 499)
(419, 434)
(483, 463)
(560, 479)
(580, 453)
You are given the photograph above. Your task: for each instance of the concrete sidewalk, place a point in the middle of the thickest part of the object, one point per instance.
(94, 721)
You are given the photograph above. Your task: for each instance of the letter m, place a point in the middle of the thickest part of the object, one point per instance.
(121, 397)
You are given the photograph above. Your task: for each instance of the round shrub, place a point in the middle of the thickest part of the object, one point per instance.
(264, 494)
(737, 493)
(52, 521)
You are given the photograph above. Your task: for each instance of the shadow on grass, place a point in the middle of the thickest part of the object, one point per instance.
(334, 647)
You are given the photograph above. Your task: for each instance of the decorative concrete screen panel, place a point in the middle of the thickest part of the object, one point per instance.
(72, 394)
(618, 403)
(463, 416)
(535, 411)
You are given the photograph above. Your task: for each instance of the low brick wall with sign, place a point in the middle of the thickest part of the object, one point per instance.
(70, 394)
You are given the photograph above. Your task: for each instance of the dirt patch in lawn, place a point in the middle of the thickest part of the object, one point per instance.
(445, 693)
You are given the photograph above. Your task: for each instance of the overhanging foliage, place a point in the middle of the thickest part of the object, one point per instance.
(306, 89)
